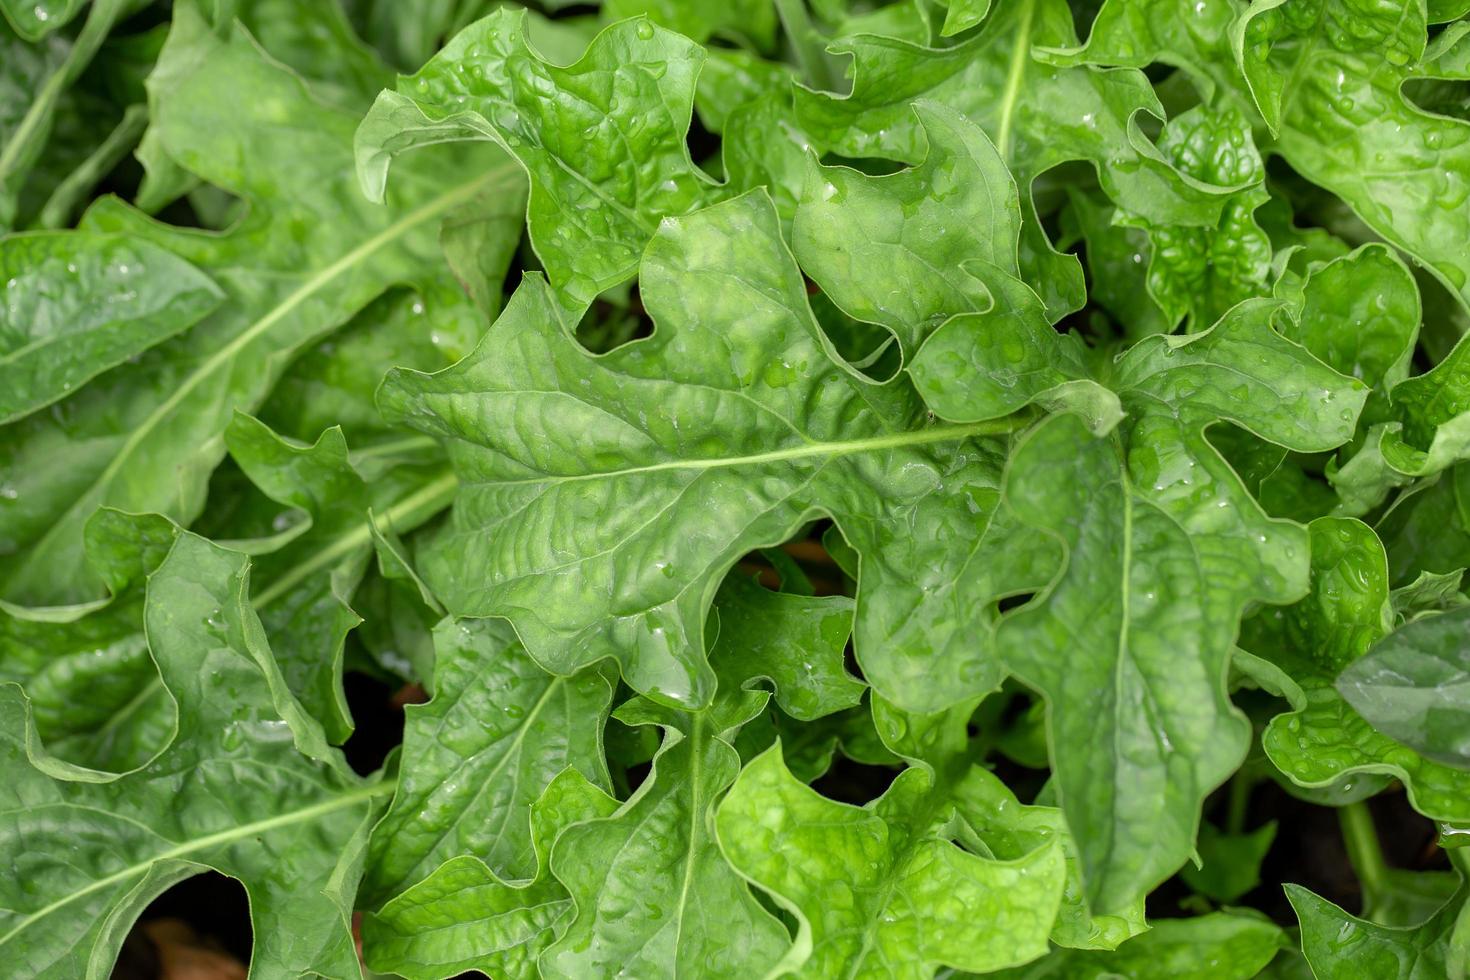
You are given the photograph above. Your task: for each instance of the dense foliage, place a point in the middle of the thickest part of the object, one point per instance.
(856, 489)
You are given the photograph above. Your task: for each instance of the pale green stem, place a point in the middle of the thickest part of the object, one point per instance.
(62, 203)
(1365, 853)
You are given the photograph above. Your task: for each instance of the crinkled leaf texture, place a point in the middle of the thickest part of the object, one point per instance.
(484, 749)
(878, 891)
(739, 634)
(1166, 548)
(603, 498)
(1328, 78)
(602, 141)
(1323, 744)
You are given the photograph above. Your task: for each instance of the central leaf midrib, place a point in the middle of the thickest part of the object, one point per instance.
(511, 752)
(1015, 74)
(899, 440)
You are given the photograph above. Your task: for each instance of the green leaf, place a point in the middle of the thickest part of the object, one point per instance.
(479, 755)
(879, 891)
(308, 255)
(1200, 272)
(1344, 946)
(304, 588)
(1218, 946)
(1117, 258)
(1161, 537)
(1431, 592)
(900, 250)
(1360, 314)
(34, 21)
(753, 20)
(653, 894)
(1428, 528)
(1192, 35)
(1323, 744)
(795, 641)
(764, 146)
(1328, 80)
(1230, 864)
(933, 251)
(1428, 430)
(96, 697)
(335, 382)
(628, 100)
(1414, 687)
(248, 787)
(730, 427)
(963, 15)
(1038, 116)
(78, 303)
(463, 917)
(1011, 830)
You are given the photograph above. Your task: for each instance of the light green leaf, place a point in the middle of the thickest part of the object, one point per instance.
(480, 754)
(880, 891)
(1161, 538)
(1200, 272)
(795, 641)
(1414, 687)
(1327, 78)
(753, 20)
(1011, 830)
(732, 78)
(1431, 592)
(34, 21)
(248, 787)
(1360, 314)
(78, 303)
(1218, 946)
(899, 250)
(1114, 720)
(601, 141)
(730, 427)
(963, 15)
(1192, 35)
(463, 917)
(1038, 116)
(653, 894)
(1323, 744)
(1345, 947)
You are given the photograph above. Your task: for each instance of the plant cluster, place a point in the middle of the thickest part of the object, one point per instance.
(855, 488)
